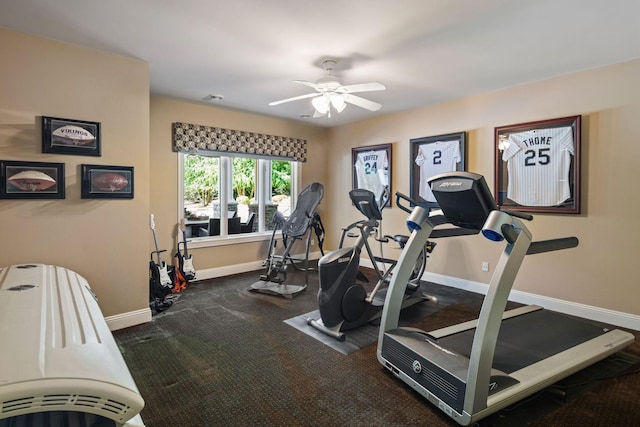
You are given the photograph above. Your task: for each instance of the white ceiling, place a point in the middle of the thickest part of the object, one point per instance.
(424, 51)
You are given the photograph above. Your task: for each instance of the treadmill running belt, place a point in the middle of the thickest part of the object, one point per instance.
(526, 339)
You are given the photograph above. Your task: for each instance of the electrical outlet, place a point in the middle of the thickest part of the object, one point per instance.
(485, 266)
(313, 242)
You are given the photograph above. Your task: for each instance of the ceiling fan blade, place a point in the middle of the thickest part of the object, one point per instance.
(309, 84)
(363, 87)
(361, 102)
(295, 98)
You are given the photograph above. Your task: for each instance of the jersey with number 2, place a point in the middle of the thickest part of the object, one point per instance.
(538, 163)
(435, 158)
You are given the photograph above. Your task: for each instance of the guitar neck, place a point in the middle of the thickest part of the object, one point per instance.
(155, 239)
(183, 228)
(184, 240)
(152, 225)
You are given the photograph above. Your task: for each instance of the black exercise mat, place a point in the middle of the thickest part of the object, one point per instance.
(358, 338)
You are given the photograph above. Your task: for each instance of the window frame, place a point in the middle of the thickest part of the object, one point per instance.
(264, 171)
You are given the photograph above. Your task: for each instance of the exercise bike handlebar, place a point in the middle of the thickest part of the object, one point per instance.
(401, 196)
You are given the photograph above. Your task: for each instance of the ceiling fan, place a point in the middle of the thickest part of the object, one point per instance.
(331, 93)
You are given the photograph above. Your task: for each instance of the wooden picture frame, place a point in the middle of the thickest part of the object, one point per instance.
(433, 155)
(107, 182)
(372, 169)
(537, 166)
(31, 180)
(67, 136)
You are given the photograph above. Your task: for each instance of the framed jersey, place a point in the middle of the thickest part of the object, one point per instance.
(431, 156)
(537, 166)
(372, 169)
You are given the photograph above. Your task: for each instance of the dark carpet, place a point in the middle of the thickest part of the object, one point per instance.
(224, 356)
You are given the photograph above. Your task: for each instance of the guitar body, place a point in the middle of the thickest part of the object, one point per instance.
(158, 290)
(187, 268)
(185, 260)
(179, 283)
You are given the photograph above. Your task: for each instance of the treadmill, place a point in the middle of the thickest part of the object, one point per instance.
(476, 368)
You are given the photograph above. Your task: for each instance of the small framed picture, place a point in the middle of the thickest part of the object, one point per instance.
(31, 180)
(538, 166)
(65, 136)
(372, 169)
(433, 155)
(107, 182)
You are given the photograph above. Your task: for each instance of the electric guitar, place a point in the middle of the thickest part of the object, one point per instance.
(164, 281)
(178, 267)
(186, 265)
(180, 283)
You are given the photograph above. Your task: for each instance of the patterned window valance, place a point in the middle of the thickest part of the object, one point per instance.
(193, 138)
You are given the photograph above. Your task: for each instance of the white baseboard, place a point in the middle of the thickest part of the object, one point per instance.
(611, 317)
(133, 318)
(126, 320)
(227, 270)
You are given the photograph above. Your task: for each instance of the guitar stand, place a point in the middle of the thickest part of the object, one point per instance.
(159, 299)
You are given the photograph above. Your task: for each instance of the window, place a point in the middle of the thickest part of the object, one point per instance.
(223, 196)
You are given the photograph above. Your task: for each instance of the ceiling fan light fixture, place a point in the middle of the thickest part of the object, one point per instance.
(338, 102)
(330, 94)
(321, 104)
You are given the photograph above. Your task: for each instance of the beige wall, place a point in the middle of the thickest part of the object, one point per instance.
(603, 270)
(106, 241)
(164, 171)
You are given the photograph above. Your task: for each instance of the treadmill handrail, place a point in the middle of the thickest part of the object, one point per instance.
(552, 245)
(401, 196)
(518, 214)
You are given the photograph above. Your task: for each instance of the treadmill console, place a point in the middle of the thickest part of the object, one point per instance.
(464, 197)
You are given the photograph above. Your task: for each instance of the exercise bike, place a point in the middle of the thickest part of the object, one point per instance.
(343, 302)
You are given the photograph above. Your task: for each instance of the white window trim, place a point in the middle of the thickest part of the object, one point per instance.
(262, 234)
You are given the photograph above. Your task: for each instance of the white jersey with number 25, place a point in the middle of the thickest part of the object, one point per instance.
(538, 162)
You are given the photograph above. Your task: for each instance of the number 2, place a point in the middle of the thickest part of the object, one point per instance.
(437, 157)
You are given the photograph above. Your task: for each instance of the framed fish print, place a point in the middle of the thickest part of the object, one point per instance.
(66, 136)
(537, 166)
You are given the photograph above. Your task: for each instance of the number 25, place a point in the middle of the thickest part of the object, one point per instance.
(543, 157)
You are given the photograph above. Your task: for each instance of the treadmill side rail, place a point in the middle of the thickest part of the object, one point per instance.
(547, 372)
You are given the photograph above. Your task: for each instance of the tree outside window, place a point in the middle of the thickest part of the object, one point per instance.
(202, 182)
